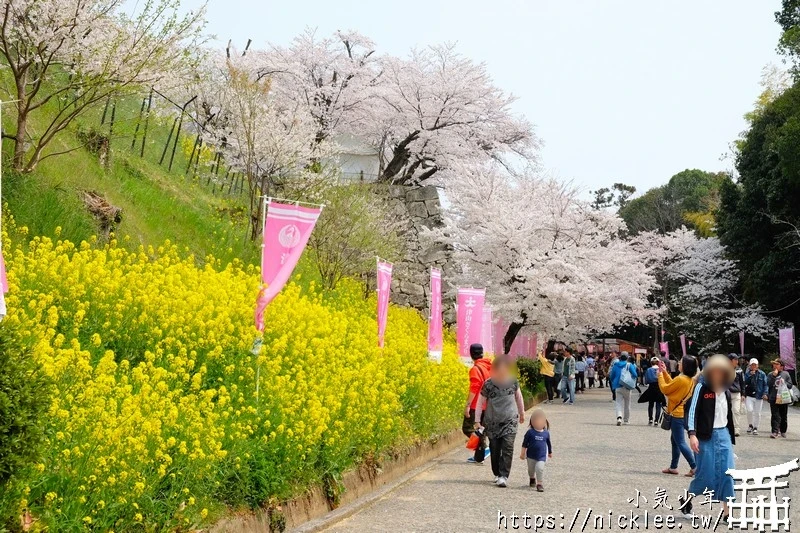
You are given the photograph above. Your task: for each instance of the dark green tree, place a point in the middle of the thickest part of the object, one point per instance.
(690, 198)
(760, 214)
(615, 196)
(789, 43)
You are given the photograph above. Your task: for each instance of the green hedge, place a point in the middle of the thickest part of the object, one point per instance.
(24, 399)
(529, 375)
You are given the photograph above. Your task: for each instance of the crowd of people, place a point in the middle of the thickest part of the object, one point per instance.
(703, 404)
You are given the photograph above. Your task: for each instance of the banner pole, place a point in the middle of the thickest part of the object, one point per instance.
(264, 204)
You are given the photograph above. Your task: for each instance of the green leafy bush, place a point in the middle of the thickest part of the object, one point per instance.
(529, 374)
(24, 398)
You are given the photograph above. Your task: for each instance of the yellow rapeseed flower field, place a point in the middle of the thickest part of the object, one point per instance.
(158, 420)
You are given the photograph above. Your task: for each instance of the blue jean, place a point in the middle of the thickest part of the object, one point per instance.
(713, 461)
(568, 385)
(679, 445)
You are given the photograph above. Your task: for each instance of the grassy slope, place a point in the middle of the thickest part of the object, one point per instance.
(157, 205)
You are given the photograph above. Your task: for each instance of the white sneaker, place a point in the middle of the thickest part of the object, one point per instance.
(496, 479)
(501, 482)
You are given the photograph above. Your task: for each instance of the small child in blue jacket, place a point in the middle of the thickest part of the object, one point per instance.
(536, 448)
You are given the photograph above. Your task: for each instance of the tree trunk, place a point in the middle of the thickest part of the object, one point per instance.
(18, 160)
(19, 144)
(510, 335)
(400, 157)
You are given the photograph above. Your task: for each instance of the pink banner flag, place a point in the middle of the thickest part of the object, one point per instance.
(500, 327)
(384, 289)
(741, 343)
(3, 278)
(469, 318)
(3, 286)
(683, 344)
(287, 228)
(786, 343)
(435, 322)
(517, 346)
(486, 330)
(664, 347)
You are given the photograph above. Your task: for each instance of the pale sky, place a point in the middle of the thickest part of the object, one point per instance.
(619, 90)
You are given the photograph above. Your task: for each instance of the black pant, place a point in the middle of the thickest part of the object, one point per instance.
(549, 386)
(580, 385)
(779, 414)
(654, 409)
(502, 454)
(468, 428)
(591, 383)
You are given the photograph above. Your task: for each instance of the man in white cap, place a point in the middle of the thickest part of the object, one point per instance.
(755, 392)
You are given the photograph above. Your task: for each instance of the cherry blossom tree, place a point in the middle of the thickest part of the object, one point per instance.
(271, 140)
(697, 287)
(548, 260)
(440, 108)
(333, 79)
(67, 55)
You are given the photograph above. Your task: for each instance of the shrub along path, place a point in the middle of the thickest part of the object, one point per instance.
(595, 465)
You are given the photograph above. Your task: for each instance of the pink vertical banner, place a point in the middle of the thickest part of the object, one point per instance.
(741, 343)
(786, 343)
(384, 288)
(500, 329)
(435, 322)
(3, 286)
(3, 277)
(683, 344)
(518, 346)
(287, 228)
(469, 318)
(664, 347)
(486, 330)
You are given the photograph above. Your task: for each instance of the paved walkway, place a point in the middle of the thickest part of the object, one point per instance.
(596, 465)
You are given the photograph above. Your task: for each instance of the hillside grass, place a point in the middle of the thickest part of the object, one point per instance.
(157, 205)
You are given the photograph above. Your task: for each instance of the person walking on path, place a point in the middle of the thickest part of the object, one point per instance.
(590, 373)
(580, 374)
(677, 391)
(478, 374)
(537, 448)
(755, 391)
(609, 367)
(568, 378)
(780, 411)
(558, 371)
(621, 373)
(711, 434)
(653, 395)
(736, 390)
(601, 365)
(547, 369)
(501, 403)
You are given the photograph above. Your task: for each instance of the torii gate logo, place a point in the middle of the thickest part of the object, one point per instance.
(757, 511)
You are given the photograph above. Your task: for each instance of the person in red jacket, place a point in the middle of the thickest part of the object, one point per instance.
(480, 371)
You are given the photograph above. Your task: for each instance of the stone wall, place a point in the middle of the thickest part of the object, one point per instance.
(416, 208)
